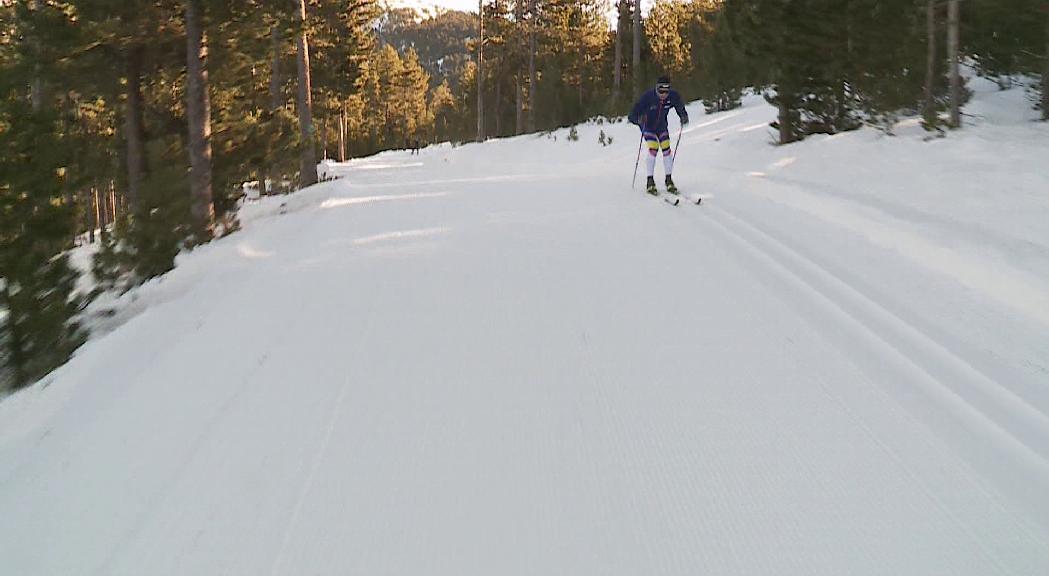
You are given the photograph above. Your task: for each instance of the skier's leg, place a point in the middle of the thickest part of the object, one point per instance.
(652, 143)
(668, 158)
(668, 161)
(652, 146)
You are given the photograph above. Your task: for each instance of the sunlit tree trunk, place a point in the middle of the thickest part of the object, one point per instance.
(308, 155)
(518, 87)
(36, 83)
(532, 77)
(930, 63)
(952, 55)
(480, 70)
(784, 122)
(198, 115)
(519, 105)
(342, 134)
(636, 68)
(582, 74)
(1045, 73)
(617, 66)
(497, 106)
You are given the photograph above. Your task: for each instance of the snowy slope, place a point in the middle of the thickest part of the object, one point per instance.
(498, 359)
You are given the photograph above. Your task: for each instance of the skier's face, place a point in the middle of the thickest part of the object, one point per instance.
(663, 92)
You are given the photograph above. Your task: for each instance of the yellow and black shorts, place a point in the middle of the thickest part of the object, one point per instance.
(658, 142)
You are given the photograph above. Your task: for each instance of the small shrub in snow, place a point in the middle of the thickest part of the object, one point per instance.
(573, 134)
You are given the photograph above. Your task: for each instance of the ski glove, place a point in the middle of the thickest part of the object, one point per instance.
(684, 121)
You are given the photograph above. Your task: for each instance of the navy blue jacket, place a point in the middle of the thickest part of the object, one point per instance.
(651, 116)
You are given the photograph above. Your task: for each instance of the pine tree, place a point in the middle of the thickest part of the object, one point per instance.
(881, 74)
(443, 110)
(1009, 37)
(769, 32)
(341, 44)
(724, 72)
(39, 327)
(666, 29)
(414, 82)
(386, 100)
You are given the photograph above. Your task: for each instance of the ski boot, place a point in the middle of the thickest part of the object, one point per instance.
(671, 188)
(650, 186)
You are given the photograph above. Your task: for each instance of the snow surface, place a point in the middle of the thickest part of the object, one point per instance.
(499, 359)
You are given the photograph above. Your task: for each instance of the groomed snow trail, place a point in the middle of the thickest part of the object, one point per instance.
(499, 360)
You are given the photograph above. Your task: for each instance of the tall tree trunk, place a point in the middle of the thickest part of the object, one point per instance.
(786, 133)
(36, 89)
(13, 341)
(952, 55)
(134, 128)
(103, 206)
(103, 214)
(94, 221)
(1045, 73)
(324, 137)
(582, 58)
(342, 133)
(198, 113)
(617, 65)
(275, 78)
(269, 177)
(929, 111)
(308, 155)
(518, 85)
(532, 76)
(519, 105)
(480, 70)
(497, 106)
(36, 84)
(636, 68)
(582, 74)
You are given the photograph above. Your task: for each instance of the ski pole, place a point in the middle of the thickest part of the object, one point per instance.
(633, 181)
(680, 129)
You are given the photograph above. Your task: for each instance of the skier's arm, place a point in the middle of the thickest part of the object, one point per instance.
(679, 105)
(635, 114)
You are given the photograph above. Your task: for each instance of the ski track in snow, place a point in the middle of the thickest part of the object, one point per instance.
(498, 359)
(923, 355)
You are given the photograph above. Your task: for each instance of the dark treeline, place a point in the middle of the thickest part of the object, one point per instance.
(136, 123)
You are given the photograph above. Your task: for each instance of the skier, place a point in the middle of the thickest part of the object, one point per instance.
(650, 114)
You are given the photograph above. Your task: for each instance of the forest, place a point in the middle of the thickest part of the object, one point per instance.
(136, 125)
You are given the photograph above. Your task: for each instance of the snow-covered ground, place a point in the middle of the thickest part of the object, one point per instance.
(499, 359)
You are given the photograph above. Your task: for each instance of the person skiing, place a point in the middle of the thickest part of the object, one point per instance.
(650, 114)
